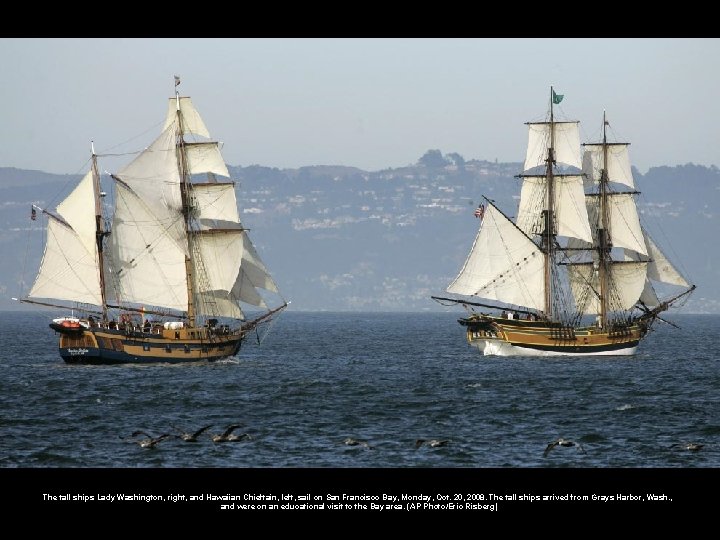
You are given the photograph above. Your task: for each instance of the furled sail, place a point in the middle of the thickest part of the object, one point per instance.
(503, 264)
(566, 144)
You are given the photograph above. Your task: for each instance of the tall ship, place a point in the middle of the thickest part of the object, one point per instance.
(574, 273)
(167, 272)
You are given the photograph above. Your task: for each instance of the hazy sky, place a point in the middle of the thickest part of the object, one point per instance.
(370, 103)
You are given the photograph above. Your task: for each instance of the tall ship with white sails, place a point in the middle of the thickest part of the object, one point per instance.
(170, 274)
(575, 273)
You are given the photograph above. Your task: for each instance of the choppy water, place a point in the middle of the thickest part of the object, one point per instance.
(390, 379)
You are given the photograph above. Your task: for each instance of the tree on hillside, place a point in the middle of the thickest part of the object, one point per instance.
(457, 159)
(433, 159)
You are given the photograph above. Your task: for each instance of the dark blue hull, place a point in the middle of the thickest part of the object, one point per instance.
(103, 346)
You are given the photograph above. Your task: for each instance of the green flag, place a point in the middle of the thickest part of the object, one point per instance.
(557, 98)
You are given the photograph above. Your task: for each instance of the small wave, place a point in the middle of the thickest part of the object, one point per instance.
(592, 438)
(229, 360)
(625, 407)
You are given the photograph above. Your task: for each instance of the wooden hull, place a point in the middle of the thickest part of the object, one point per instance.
(511, 337)
(110, 346)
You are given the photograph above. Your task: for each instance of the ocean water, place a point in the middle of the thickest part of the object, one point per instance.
(389, 379)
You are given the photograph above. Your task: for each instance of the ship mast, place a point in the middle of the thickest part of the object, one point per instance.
(604, 240)
(548, 237)
(185, 194)
(100, 232)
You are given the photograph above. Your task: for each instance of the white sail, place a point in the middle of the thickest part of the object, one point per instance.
(192, 122)
(503, 264)
(154, 178)
(205, 157)
(627, 281)
(221, 253)
(570, 211)
(648, 296)
(234, 270)
(659, 269)
(251, 276)
(216, 205)
(253, 270)
(223, 304)
(149, 262)
(618, 163)
(78, 210)
(246, 292)
(68, 271)
(567, 144)
(624, 223)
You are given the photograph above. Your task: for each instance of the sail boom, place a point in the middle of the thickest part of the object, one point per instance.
(614, 193)
(204, 232)
(607, 144)
(202, 184)
(558, 175)
(586, 263)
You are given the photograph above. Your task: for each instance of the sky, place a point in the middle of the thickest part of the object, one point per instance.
(369, 103)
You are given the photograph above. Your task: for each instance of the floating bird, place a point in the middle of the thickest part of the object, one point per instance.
(229, 436)
(150, 441)
(563, 442)
(693, 446)
(191, 437)
(432, 443)
(357, 442)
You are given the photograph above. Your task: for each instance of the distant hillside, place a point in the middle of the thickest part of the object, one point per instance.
(12, 177)
(340, 238)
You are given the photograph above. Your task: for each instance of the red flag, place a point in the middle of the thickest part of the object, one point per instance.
(480, 211)
(33, 214)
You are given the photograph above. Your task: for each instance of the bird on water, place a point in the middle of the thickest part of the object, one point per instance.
(191, 436)
(432, 443)
(229, 436)
(357, 442)
(149, 441)
(563, 442)
(692, 446)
